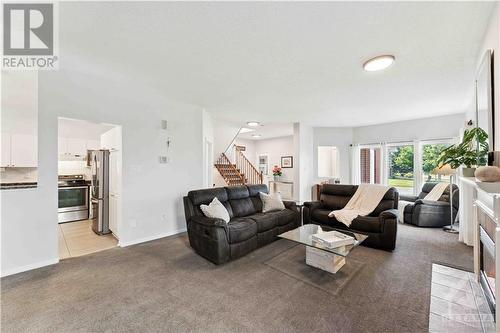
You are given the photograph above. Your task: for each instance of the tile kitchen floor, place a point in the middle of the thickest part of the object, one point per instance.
(77, 239)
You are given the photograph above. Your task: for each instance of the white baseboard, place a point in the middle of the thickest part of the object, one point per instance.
(150, 238)
(29, 267)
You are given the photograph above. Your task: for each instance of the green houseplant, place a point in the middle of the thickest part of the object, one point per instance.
(471, 152)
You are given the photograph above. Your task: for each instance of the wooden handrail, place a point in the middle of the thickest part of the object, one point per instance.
(252, 175)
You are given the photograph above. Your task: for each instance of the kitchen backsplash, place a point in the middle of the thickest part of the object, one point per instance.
(18, 175)
(74, 168)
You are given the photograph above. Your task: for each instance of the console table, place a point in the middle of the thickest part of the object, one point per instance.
(284, 187)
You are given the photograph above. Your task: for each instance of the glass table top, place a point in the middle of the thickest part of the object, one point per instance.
(303, 235)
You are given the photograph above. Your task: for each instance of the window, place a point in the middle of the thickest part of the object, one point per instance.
(370, 164)
(328, 162)
(430, 152)
(400, 163)
(403, 165)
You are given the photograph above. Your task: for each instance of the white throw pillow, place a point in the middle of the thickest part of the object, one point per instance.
(271, 202)
(215, 210)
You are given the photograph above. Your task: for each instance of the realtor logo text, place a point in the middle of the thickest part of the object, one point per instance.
(28, 36)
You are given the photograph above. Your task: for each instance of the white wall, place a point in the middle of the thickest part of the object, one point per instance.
(224, 134)
(208, 153)
(491, 41)
(340, 137)
(249, 149)
(303, 143)
(418, 129)
(152, 192)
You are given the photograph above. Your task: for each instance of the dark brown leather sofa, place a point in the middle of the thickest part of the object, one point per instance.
(248, 228)
(380, 225)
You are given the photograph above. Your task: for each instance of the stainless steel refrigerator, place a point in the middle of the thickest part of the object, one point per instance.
(99, 163)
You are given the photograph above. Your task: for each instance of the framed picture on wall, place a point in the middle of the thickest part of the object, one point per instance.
(287, 161)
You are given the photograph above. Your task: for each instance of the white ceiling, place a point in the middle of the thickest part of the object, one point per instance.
(287, 61)
(268, 131)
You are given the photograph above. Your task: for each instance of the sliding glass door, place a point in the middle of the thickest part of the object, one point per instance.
(400, 167)
(430, 151)
(403, 165)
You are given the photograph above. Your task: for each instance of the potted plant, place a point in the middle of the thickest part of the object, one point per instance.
(470, 153)
(277, 173)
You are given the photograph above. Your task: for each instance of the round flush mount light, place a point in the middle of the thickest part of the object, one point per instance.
(256, 135)
(253, 123)
(378, 63)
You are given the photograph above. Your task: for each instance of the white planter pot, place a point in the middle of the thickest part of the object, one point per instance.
(468, 172)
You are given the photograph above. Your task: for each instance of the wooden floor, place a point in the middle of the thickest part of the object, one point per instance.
(77, 239)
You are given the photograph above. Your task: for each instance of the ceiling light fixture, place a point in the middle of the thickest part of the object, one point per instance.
(246, 130)
(378, 63)
(256, 135)
(253, 123)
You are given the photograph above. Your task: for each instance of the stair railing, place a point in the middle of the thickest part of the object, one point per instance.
(223, 164)
(245, 167)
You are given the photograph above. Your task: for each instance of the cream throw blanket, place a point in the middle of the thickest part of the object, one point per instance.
(437, 191)
(362, 203)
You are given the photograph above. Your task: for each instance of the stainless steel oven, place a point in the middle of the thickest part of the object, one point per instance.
(73, 200)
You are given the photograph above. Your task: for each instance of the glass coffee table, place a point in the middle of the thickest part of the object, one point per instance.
(319, 255)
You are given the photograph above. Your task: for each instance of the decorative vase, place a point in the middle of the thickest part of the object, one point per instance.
(487, 174)
(276, 178)
(468, 172)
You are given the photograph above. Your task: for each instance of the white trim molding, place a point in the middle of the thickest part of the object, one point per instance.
(150, 238)
(29, 267)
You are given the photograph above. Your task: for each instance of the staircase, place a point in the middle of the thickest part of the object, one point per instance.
(240, 172)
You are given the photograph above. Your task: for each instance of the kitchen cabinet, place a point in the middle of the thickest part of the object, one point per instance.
(114, 202)
(19, 150)
(24, 150)
(73, 147)
(93, 144)
(5, 153)
(112, 139)
(76, 146)
(114, 190)
(114, 172)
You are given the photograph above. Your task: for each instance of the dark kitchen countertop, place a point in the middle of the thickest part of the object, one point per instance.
(13, 186)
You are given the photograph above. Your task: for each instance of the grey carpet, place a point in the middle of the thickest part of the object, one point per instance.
(162, 286)
(291, 262)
